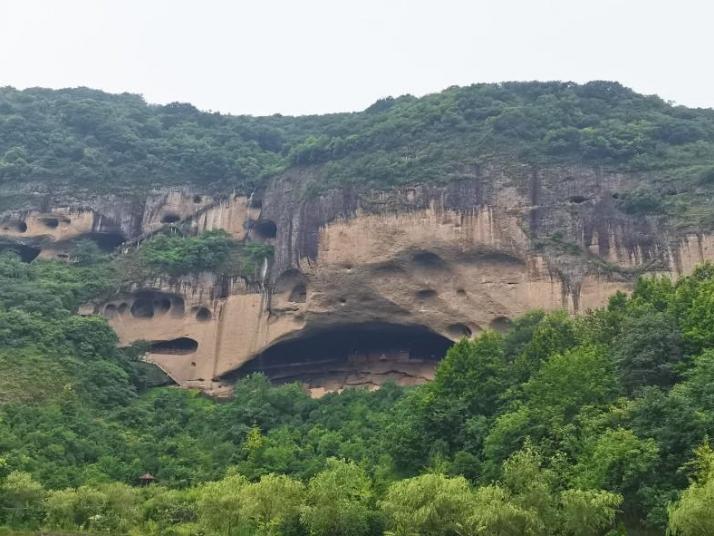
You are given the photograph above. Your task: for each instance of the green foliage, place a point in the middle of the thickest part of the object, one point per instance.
(212, 251)
(219, 505)
(273, 505)
(431, 505)
(475, 372)
(692, 514)
(176, 255)
(588, 512)
(85, 138)
(339, 501)
(648, 350)
(21, 499)
(559, 426)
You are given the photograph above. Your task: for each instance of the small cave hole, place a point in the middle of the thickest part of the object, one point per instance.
(197, 199)
(460, 292)
(343, 300)
(106, 241)
(170, 217)
(427, 259)
(193, 363)
(110, 311)
(178, 306)
(142, 308)
(289, 280)
(17, 226)
(180, 346)
(500, 323)
(203, 314)
(426, 294)
(49, 222)
(162, 305)
(577, 199)
(298, 294)
(123, 308)
(616, 196)
(25, 252)
(459, 331)
(265, 229)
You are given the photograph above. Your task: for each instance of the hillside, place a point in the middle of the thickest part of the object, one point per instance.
(484, 311)
(86, 139)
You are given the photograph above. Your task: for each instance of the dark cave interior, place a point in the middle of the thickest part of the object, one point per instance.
(338, 345)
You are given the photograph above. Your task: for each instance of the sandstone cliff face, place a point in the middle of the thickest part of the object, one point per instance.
(367, 287)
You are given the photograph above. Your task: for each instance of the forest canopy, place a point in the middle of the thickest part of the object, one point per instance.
(561, 425)
(111, 142)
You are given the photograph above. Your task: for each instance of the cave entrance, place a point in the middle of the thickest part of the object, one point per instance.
(346, 353)
(180, 346)
(265, 230)
(106, 241)
(25, 252)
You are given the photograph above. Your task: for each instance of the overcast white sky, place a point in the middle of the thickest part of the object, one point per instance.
(316, 56)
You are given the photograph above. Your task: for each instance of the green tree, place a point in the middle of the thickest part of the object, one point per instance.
(429, 505)
(340, 501)
(273, 505)
(588, 512)
(219, 505)
(693, 513)
(21, 498)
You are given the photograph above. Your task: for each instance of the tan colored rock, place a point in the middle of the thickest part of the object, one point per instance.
(429, 263)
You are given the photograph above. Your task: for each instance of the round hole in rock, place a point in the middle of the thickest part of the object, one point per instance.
(203, 314)
(577, 199)
(426, 294)
(110, 311)
(459, 330)
(162, 305)
(314, 351)
(428, 259)
(298, 294)
(197, 199)
(49, 222)
(265, 229)
(288, 280)
(343, 300)
(460, 292)
(25, 252)
(17, 226)
(142, 308)
(180, 346)
(170, 217)
(178, 307)
(106, 241)
(500, 323)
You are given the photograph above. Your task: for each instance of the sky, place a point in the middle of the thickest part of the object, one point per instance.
(316, 56)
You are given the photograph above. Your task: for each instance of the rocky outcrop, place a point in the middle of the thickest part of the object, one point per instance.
(370, 286)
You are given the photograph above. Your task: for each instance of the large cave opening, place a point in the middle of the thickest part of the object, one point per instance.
(25, 252)
(180, 346)
(106, 241)
(352, 355)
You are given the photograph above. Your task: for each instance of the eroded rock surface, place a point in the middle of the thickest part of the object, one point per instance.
(367, 287)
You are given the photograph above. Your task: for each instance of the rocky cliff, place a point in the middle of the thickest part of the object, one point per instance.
(365, 286)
